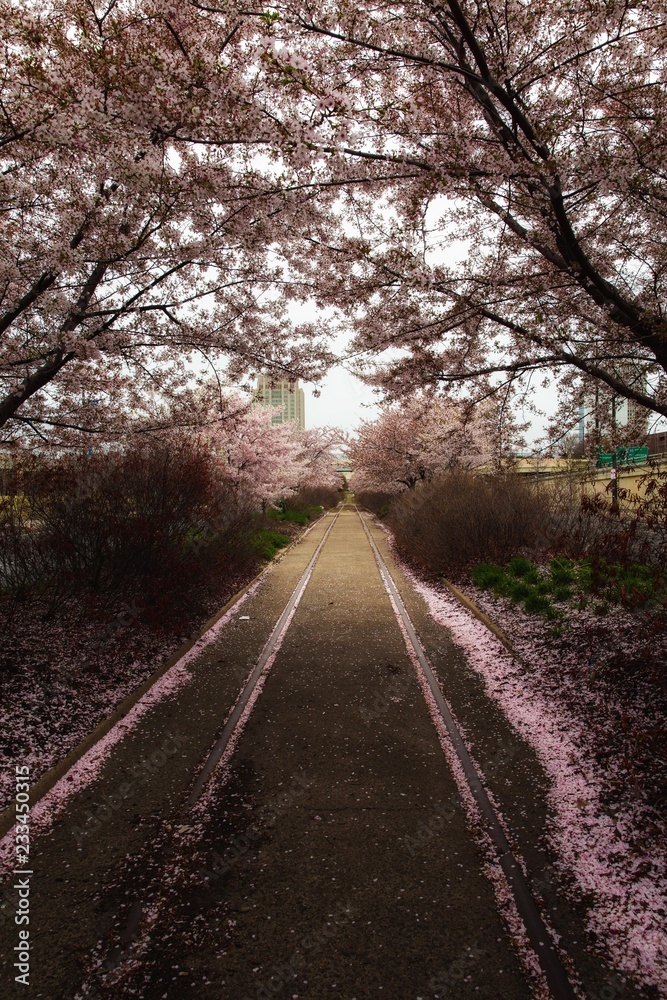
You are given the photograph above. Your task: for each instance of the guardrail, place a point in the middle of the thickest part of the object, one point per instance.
(582, 468)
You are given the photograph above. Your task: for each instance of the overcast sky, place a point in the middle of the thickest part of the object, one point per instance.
(344, 402)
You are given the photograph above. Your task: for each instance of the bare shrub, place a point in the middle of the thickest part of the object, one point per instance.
(377, 502)
(314, 496)
(461, 518)
(155, 510)
(585, 525)
(19, 551)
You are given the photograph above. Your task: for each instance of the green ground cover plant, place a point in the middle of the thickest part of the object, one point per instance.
(521, 581)
(301, 517)
(297, 516)
(267, 542)
(565, 581)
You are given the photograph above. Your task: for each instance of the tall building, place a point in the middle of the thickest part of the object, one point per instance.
(285, 397)
(605, 414)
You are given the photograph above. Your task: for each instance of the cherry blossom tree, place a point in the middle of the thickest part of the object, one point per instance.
(590, 416)
(258, 458)
(319, 453)
(478, 184)
(409, 443)
(268, 462)
(145, 202)
(524, 228)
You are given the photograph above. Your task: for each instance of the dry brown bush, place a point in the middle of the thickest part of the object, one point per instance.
(461, 518)
(154, 511)
(378, 503)
(313, 496)
(586, 525)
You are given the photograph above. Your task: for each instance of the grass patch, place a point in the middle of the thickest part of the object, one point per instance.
(567, 582)
(487, 575)
(521, 567)
(563, 594)
(540, 605)
(521, 581)
(301, 517)
(562, 572)
(266, 543)
(519, 591)
(633, 585)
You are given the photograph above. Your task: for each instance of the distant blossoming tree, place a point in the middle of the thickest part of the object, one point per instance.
(319, 449)
(266, 462)
(408, 444)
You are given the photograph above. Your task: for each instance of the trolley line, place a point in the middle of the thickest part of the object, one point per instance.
(554, 970)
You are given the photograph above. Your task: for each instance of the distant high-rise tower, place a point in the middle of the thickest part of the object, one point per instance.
(604, 413)
(285, 397)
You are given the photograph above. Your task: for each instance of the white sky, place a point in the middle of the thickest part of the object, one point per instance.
(344, 401)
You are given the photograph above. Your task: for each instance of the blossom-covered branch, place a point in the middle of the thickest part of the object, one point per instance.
(537, 137)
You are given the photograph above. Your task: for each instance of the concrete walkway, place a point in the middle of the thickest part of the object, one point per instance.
(333, 859)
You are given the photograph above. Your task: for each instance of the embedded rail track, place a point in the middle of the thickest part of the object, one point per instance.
(265, 659)
(529, 911)
(554, 970)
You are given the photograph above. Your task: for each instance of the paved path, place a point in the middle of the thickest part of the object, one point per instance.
(333, 858)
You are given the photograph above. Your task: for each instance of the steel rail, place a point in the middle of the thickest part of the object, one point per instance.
(554, 970)
(232, 723)
(62, 768)
(252, 681)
